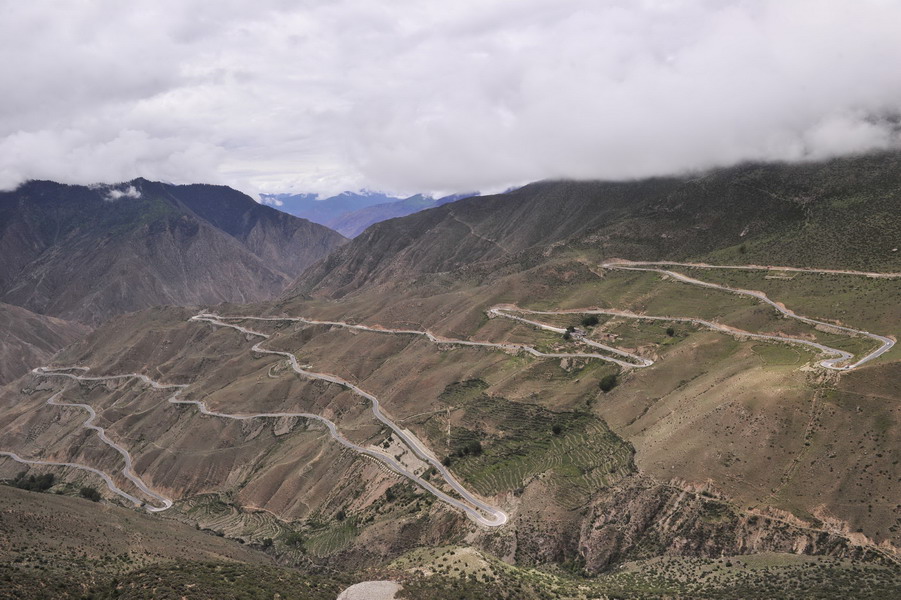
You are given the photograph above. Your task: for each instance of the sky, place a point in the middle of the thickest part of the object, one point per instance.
(426, 96)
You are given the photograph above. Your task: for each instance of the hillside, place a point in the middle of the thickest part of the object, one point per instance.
(287, 243)
(28, 339)
(53, 546)
(476, 381)
(87, 253)
(841, 213)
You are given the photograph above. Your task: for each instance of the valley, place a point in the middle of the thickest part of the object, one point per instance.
(536, 402)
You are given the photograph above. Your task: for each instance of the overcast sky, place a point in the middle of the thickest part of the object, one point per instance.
(459, 95)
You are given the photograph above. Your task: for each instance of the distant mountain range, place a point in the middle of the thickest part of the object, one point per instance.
(350, 213)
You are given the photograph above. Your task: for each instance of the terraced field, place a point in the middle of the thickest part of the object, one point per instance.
(520, 441)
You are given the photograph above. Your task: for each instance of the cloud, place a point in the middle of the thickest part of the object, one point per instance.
(129, 192)
(271, 200)
(415, 96)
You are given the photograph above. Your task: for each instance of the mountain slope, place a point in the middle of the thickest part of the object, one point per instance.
(285, 242)
(85, 254)
(28, 339)
(722, 442)
(839, 213)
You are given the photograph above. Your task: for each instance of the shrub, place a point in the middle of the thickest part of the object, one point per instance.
(90, 493)
(608, 382)
(293, 539)
(567, 336)
(556, 429)
(41, 483)
(670, 331)
(590, 320)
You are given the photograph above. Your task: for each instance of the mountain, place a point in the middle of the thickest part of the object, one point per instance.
(87, 253)
(28, 339)
(287, 243)
(840, 213)
(325, 210)
(354, 223)
(714, 452)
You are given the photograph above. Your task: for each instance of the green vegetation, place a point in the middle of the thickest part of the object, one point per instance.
(213, 581)
(608, 382)
(590, 320)
(520, 440)
(332, 538)
(90, 493)
(454, 573)
(40, 483)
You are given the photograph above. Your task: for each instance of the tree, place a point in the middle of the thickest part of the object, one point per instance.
(41, 483)
(90, 493)
(293, 539)
(590, 321)
(608, 382)
(567, 336)
(341, 515)
(670, 331)
(556, 429)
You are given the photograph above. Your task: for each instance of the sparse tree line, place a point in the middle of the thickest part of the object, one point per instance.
(42, 483)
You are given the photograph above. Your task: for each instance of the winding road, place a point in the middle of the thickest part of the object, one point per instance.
(475, 508)
(479, 511)
(885, 343)
(874, 274)
(495, 518)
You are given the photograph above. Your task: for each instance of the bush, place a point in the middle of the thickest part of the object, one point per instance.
(670, 331)
(474, 447)
(90, 493)
(590, 321)
(608, 382)
(556, 429)
(41, 483)
(293, 539)
(567, 336)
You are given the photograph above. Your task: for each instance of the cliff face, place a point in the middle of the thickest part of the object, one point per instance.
(643, 518)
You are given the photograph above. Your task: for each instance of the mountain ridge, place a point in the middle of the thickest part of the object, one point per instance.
(756, 212)
(83, 254)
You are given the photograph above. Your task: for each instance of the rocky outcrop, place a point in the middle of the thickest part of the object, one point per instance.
(643, 518)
